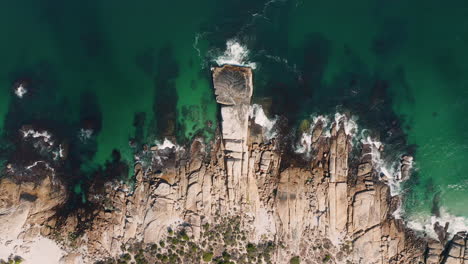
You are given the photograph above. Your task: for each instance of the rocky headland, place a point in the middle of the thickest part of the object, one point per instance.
(242, 199)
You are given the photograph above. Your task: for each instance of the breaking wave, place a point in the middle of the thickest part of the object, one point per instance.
(349, 125)
(235, 54)
(268, 125)
(44, 135)
(166, 144)
(393, 172)
(424, 223)
(305, 142)
(20, 91)
(389, 170)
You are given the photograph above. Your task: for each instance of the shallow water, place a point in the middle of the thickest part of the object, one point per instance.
(141, 71)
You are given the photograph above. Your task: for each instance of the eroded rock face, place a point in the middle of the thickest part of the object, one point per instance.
(238, 198)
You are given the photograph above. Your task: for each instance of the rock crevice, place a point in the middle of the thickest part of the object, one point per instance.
(329, 210)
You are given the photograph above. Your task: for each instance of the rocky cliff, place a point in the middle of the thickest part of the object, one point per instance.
(239, 200)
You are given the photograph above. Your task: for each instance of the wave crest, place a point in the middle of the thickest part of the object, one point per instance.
(235, 54)
(268, 124)
(426, 224)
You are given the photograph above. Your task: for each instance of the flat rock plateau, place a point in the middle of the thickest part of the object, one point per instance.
(243, 199)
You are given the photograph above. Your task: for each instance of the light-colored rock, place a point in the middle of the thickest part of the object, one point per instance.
(319, 212)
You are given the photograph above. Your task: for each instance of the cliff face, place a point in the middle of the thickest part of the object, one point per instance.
(238, 202)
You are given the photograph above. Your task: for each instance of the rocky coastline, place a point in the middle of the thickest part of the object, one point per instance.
(239, 200)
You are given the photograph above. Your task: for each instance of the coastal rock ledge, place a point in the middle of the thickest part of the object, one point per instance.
(239, 200)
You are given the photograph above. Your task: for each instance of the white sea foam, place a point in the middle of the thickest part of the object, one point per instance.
(166, 144)
(195, 43)
(235, 54)
(262, 14)
(303, 147)
(46, 136)
(85, 134)
(425, 223)
(390, 170)
(259, 117)
(20, 91)
(349, 124)
(398, 213)
(60, 153)
(462, 185)
(37, 162)
(304, 144)
(278, 59)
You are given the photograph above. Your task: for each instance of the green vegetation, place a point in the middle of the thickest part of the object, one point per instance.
(295, 260)
(12, 260)
(140, 257)
(207, 256)
(222, 243)
(251, 249)
(183, 235)
(326, 258)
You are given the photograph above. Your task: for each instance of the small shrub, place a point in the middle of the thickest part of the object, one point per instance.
(140, 258)
(207, 256)
(183, 235)
(126, 257)
(174, 241)
(295, 260)
(251, 248)
(226, 256)
(154, 247)
(326, 258)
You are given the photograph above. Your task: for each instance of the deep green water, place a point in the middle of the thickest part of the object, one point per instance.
(398, 65)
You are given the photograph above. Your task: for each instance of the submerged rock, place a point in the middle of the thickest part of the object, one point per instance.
(236, 203)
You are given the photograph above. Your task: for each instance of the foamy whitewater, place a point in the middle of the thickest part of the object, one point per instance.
(390, 169)
(85, 134)
(60, 153)
(268, 125)
(235, 54)
(425, 224)
(166, 144)
(36, 134)
(305, 143)
(20, 91)
(37, 163)
(349, 125)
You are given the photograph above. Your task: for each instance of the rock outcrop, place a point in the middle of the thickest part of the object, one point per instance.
(26, 210)
(236, 201)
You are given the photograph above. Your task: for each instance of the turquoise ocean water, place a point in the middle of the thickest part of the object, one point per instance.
(141, 72)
